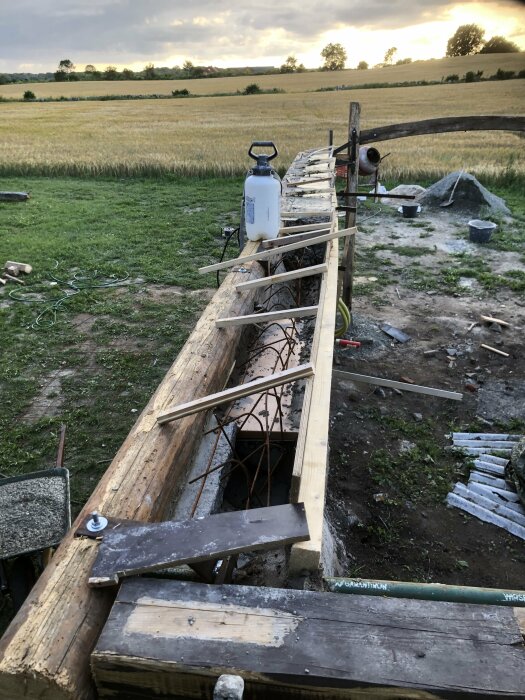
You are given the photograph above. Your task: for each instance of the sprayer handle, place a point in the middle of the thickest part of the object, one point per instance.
(261, 144)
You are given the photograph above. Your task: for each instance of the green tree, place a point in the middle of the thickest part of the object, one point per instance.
(467, 40)
(498, 44)
(362, 65)
(127, 74)
(389, 55)
(65, 68)
(111, 73)
(29, 95)
(252, 89)
(149, 72)
(90, 68)
(292, 66)
(334, 57)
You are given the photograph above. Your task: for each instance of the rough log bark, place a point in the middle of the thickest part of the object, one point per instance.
(45, 652)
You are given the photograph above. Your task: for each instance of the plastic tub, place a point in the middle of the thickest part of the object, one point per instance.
(481, 231)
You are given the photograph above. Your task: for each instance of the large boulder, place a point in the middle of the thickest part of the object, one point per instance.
(469, 196)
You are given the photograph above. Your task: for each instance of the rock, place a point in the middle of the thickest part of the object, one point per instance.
(228, 687)
(379, 391)
(418, 417)
(415, 190)
(383, 410)
(451, 352)
(495, 328)
(469, 196)
(406, 446)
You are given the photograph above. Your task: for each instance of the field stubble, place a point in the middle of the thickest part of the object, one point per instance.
(212, 134)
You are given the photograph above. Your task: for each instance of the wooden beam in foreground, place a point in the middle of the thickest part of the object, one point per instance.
(311, 454)
(45, 651)
(173, 639)
(300, 312)
(265, 254)
(403, 386)
(236, 392)
(140, 548)
(286, 240)
(283, 277)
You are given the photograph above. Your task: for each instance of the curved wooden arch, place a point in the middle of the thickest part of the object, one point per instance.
(438, 126)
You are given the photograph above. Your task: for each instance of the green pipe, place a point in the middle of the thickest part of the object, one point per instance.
(428, 591)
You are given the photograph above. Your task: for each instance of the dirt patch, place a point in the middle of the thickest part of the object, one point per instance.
(390, 462)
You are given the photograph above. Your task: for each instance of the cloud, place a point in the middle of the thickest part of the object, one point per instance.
(42, 32)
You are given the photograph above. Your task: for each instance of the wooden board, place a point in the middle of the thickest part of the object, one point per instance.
(236, 392)
(293, 238)
(146, 547)
(282, 250)
(311, 464)
(45, 652)
(403, 386)
(299, 312)
(169, 638)
(283, 277)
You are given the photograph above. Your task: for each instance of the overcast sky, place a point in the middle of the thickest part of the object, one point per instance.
(36, 34)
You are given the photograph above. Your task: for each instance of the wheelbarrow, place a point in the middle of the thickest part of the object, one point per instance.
(35, 514)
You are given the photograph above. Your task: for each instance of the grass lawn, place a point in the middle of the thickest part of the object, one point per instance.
(95, 362)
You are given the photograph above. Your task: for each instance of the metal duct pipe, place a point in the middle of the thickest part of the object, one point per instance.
(428, 591)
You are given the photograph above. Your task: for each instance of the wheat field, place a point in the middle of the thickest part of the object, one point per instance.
(212, 134)
(433, 70)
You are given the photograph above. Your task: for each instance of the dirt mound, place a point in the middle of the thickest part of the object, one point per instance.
(469, 196)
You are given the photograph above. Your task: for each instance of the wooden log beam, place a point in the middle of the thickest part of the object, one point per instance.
(45, 651)
(299, 312)
(441, 125)
(13, 196)
(284, 277)
(236, 392)
(266, 254)
(302, 227)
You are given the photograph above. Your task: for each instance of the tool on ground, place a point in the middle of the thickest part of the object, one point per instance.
(348, 343)
(451, 198)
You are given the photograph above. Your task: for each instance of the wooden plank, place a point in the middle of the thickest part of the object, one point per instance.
(236, 392)
(145, 547)
(486, 515)
(495, 350)
(45, 652)
(491, 319)
(286, 240)
(173, 639)
(441, 126)
(14, 196)
(305, 214)
(481, 451)
(303, 227)
(266, 254)
(299, 312)
(313, 451)
(379, 381)
(283, 277)
(21, 267)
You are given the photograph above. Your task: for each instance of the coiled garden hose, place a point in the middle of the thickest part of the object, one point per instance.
(346, 318)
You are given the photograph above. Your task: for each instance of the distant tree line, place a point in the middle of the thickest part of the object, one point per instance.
(467, 40)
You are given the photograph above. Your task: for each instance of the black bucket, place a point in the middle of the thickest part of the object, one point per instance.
(481, 231)
(410, 211)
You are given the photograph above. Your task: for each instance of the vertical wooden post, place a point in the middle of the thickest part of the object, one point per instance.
(351, 186)
(330, 137)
